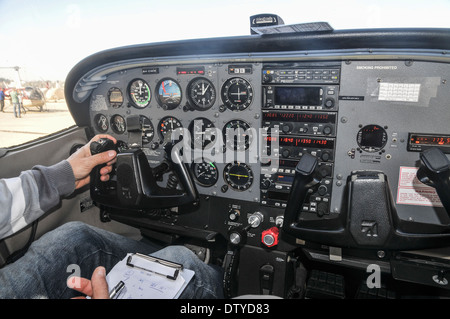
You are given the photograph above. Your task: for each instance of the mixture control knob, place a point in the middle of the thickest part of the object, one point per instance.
(269, 237)
(255, 219)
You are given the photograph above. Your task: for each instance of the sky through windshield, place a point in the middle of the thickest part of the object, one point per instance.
(47, 38)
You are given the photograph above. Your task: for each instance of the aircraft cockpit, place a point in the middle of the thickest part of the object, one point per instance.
(310, 163)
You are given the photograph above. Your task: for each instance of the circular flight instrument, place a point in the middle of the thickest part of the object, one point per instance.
(168, 93)
(167, 125)
(202, 93)
(237, 135)
(101, 122)
(115, 97)
(148, 131)
(118, 124)
(205, 173)
(372, 138)
(237, 94)
(203, 133)
(140, 93)
(238, 176)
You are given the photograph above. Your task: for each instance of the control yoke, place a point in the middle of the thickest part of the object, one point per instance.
(435, 172)
(369, 218)
(134, 183)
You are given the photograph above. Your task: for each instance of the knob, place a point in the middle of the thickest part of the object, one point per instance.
(327, 130)
(255, 219)
(235, 238)
(267, 78)
(325, 156)
(234, 214)
(269, 237)
(285, 153)
(322, 190)
(265, 184)
(329, 103)
(322, 209)
(286, 128)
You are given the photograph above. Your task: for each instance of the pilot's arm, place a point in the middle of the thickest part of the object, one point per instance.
(27, 197)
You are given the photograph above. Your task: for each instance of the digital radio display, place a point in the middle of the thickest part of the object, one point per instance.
(305, 117)
(302, 141)
(431, 140)
(298, 95)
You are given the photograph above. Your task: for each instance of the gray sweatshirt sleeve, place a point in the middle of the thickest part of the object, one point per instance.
(27, 197)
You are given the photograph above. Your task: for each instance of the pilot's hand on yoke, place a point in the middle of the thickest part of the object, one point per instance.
(82, 162)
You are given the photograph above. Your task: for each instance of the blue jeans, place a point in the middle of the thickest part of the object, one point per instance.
(43, 271)
(16, 109)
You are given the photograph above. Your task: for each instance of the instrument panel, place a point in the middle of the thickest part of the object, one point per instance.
(209, 101)
(245, 126)
(250, 123)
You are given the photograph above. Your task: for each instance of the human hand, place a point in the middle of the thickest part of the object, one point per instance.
(96, 288)
(82, 162)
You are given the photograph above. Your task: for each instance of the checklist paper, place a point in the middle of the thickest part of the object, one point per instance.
(147, 284)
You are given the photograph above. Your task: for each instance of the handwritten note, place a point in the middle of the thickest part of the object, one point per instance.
(141, 284)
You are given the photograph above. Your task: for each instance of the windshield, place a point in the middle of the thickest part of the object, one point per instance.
(43, 40)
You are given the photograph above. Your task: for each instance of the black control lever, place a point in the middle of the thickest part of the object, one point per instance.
(305, 178)
(435, 172)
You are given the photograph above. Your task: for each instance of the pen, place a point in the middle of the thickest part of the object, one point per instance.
(117, 289)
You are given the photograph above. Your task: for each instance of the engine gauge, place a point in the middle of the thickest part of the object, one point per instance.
(115, 97)
(203, 133)
(371, 138)
(166, 127)
(205, 173)
(237, 135)
(140, 93)
(118, 124)
(239, 176)
(148, 131)
(169, 94)
(202, 93)
(101, 122)
(237, 94)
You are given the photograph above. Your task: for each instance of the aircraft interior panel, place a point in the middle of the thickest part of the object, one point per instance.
(324, 155)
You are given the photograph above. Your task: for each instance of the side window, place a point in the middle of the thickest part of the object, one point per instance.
(31, 110)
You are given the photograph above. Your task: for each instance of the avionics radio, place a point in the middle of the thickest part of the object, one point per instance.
(300, 122)
(301, 89)
(276, 182)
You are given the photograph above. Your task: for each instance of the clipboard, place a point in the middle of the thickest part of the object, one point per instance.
(158, 270)
(149, 277)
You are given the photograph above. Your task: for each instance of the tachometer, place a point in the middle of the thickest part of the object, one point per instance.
(205, 173)
(166, 127)
(139, 92)
(237, 135)
(169, 94)
(239, 176)
(202, 93)
(237, 94)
